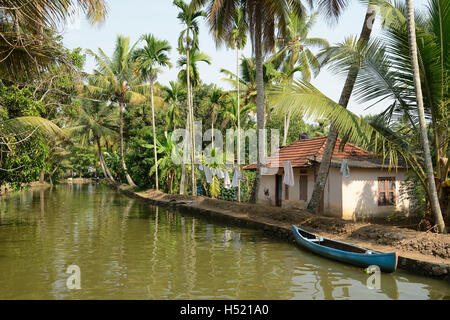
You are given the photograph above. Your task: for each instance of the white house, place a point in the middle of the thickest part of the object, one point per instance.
(370, 190)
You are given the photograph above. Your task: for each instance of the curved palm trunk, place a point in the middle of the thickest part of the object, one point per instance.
(314, 204)
(154, 140)
(105, 169)
(122, 153)
(434, 200)
(260, 112)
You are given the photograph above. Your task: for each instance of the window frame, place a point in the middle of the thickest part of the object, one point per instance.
(386, 191)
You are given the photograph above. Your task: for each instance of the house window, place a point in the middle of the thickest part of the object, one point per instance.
(386, 191)
(286, 192)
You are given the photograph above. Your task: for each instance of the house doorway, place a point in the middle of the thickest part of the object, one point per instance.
(278, 189)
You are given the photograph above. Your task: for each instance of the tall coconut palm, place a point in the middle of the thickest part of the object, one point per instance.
(115, 80)
(334, 8)
(194, 80)
(237, 39)
(262, 17)
(295, 55)
(96, 122)
(188, 41)
(152, 55)
(423, 125)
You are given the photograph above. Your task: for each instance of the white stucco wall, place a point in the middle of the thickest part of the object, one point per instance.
(360, 194)
(333, 193)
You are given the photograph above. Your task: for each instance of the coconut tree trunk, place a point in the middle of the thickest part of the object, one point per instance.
(434, 200)
(122, 153)
(287, 122)
(314, 204)
(191, 112)
(238, 120)
(154, 139)
(260, 112)
(105, 169)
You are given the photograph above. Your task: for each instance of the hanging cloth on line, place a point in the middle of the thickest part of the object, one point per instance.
(208, 174)
(288, 174)
(226, 182)
(236, 177)
(220, 173)
(345, 170)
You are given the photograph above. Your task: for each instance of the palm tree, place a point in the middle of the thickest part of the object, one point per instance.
(173, 94)
(262, 18)
(334, 8)
(148, 58)
(385, 73)
(23, 52)
(234, 114)
(115, 80)
(237, 39)
(195, 57)
(188, 41)
(423, 125)
(96, 121)
(215, 104)
(194, 81)
(295, 55)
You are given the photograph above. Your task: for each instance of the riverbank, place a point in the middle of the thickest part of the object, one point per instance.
(5, 189)
(426, 254)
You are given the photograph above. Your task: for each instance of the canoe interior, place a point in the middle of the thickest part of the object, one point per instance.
(331, 244)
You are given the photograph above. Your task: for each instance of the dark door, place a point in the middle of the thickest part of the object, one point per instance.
(278, 189)
(304, 188)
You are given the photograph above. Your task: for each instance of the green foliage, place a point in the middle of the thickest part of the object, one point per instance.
(82, 160)
(17, 102)
(23, 162)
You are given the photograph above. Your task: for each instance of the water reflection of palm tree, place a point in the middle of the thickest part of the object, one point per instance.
(154, 259)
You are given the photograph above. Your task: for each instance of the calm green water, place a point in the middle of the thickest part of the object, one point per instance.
(128, 250)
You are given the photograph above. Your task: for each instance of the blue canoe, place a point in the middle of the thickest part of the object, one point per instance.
(345, 252)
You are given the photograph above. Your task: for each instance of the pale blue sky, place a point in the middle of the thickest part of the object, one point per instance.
(135, 17)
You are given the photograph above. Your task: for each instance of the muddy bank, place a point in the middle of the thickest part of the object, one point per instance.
(421, 253)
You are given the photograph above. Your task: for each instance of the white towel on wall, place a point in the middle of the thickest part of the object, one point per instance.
(288, 174)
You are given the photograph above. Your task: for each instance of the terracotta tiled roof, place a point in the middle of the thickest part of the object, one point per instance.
(302, 153)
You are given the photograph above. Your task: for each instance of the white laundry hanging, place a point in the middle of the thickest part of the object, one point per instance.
(288, 174)
(345, 170)
(220, 174)
(236, 177)
(226, 182)
(208, 174)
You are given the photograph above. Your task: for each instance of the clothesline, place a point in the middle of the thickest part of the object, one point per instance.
(222, 174)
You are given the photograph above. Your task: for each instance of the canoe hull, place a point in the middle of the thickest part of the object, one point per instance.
(386, 261)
